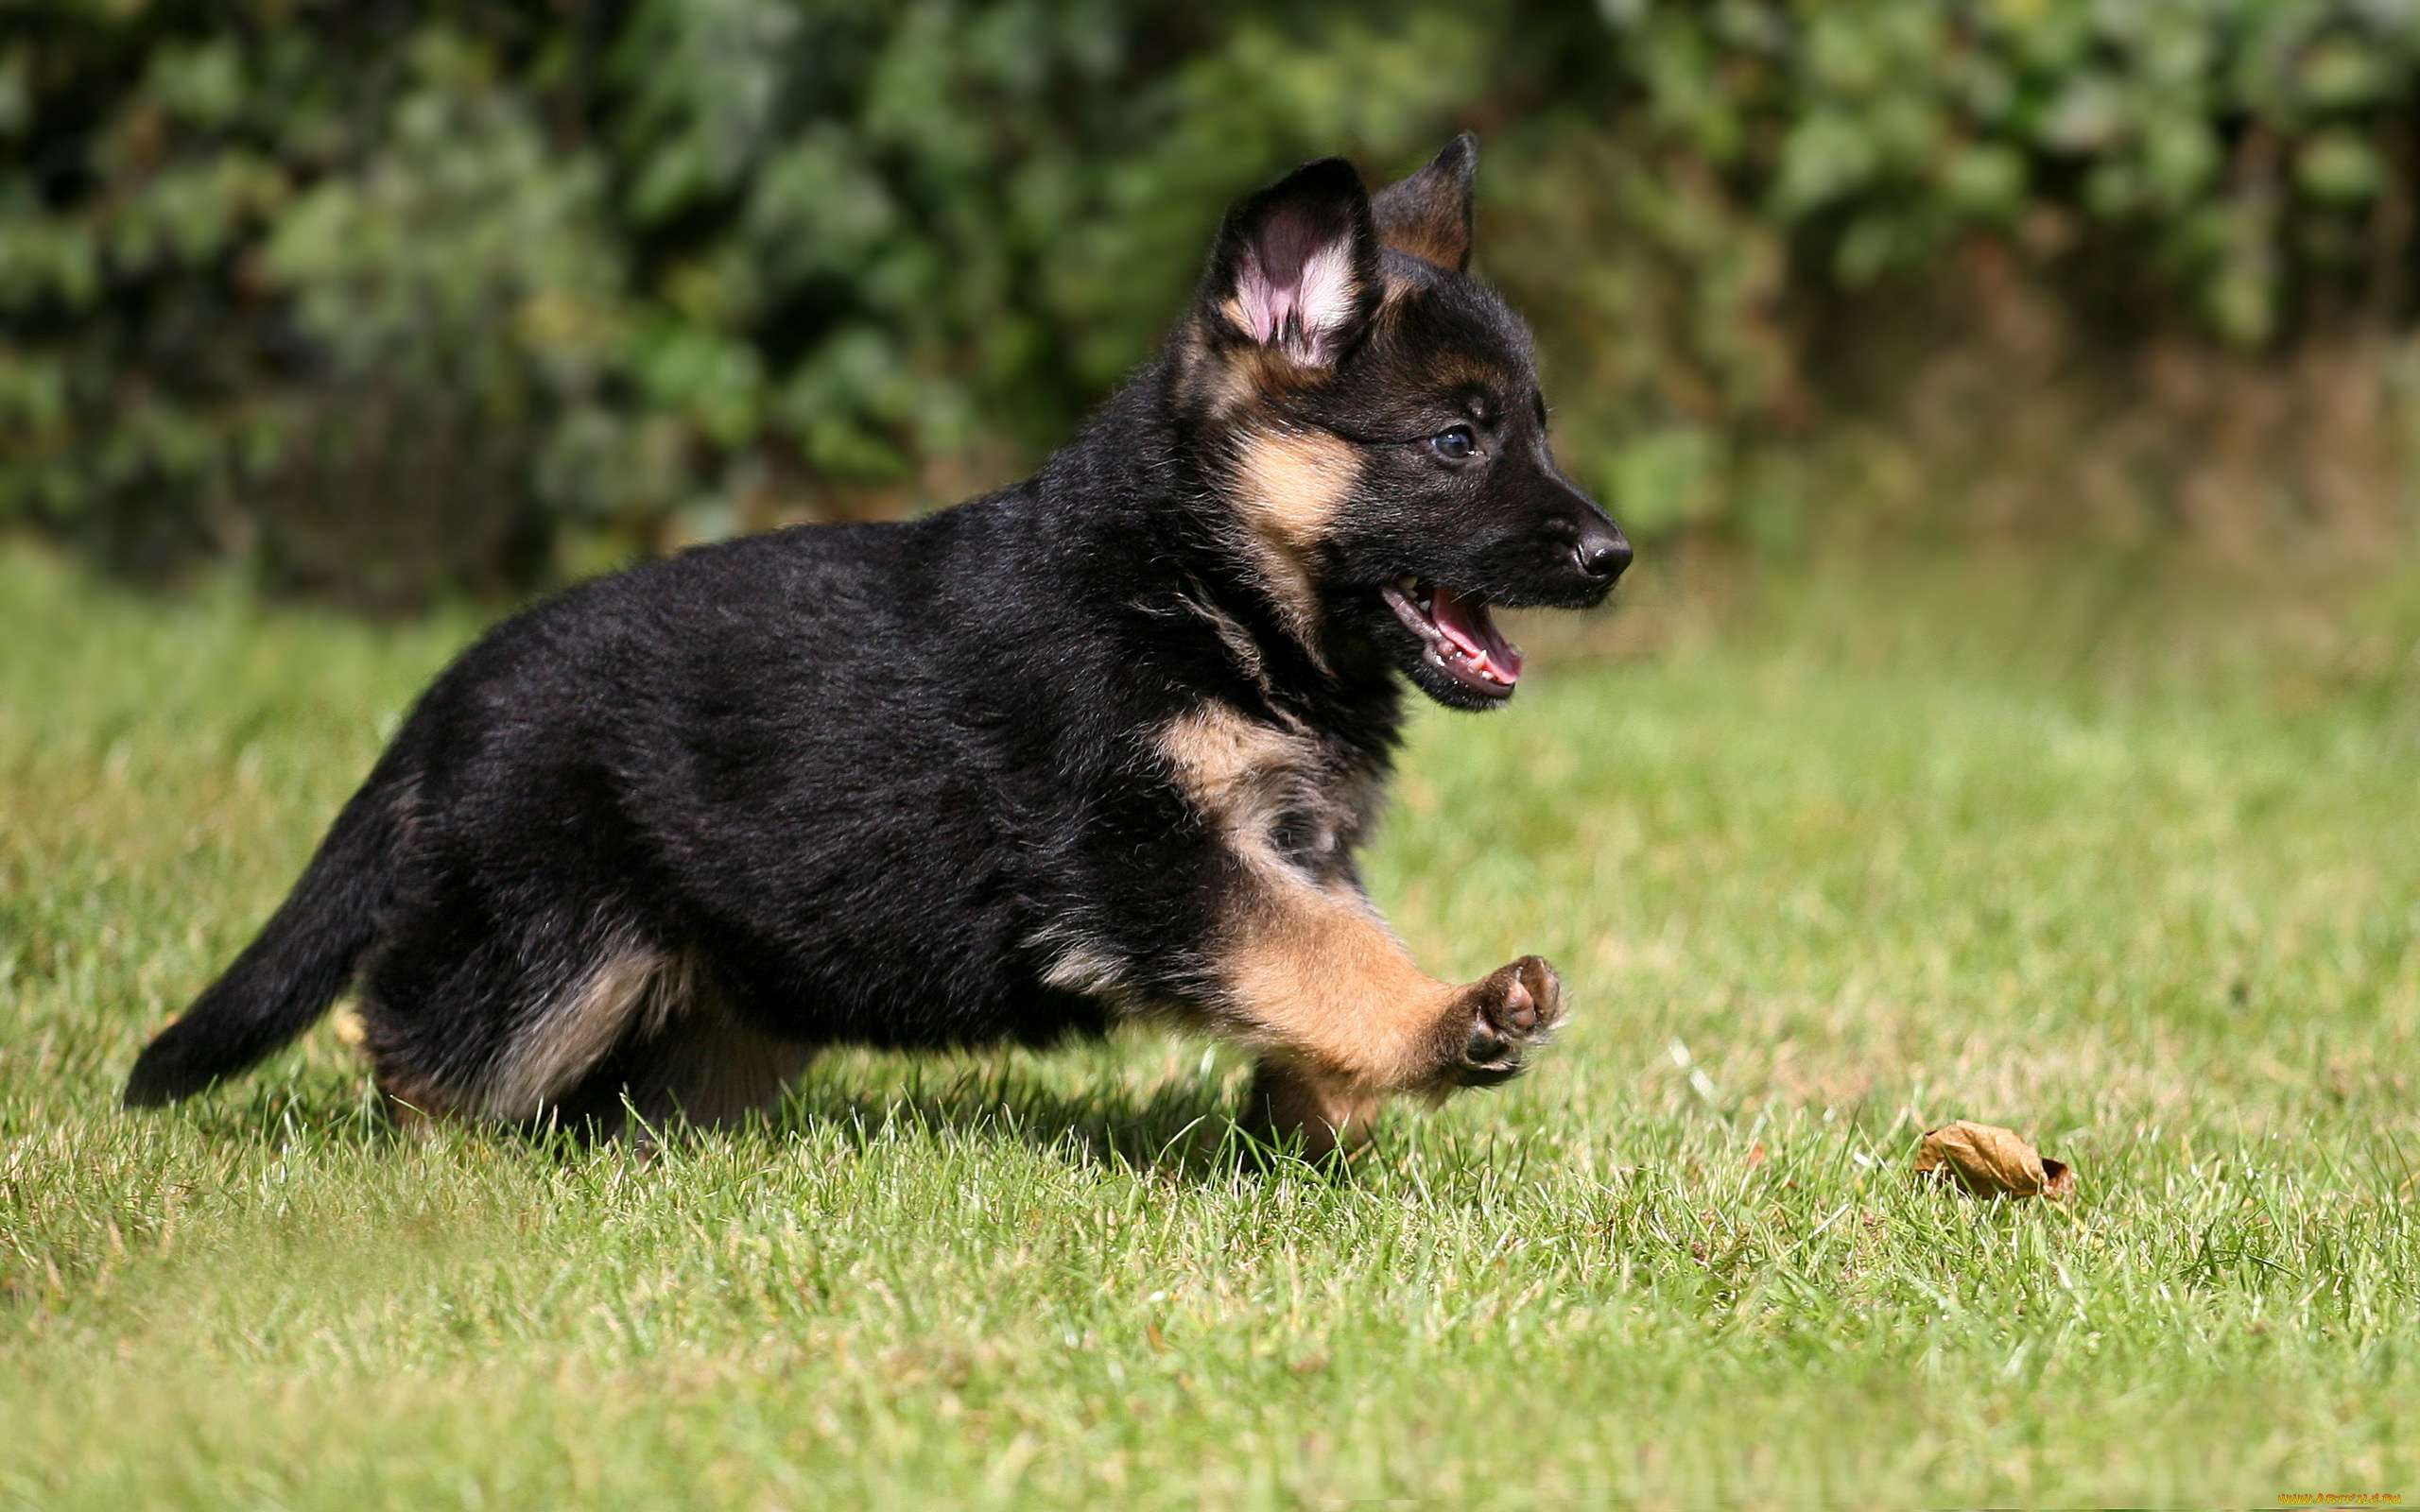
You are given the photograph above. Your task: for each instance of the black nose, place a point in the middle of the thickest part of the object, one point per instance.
(1603, 554)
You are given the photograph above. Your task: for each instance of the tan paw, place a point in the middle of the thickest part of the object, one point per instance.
(1501, 1018)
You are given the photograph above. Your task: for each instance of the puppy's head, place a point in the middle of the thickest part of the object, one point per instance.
(1372, 416)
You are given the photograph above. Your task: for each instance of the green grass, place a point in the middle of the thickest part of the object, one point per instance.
(2137, 872)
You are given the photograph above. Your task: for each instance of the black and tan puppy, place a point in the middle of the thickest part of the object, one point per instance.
(1098, 747)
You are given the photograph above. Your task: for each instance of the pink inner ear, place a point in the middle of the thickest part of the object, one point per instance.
(1296, 288)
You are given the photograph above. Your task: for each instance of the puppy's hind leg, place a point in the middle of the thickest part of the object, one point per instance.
(461, 1018)
(700, 1064)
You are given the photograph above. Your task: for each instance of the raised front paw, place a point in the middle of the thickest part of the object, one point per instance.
(1501, 1018)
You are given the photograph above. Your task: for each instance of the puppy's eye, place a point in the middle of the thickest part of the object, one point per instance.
(1454, 443)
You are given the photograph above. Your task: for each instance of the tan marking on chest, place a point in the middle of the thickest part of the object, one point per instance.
(1244, 776)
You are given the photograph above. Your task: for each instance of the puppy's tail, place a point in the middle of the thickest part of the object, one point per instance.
(286, 978)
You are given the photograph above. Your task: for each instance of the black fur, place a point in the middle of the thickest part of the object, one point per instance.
(904, 784)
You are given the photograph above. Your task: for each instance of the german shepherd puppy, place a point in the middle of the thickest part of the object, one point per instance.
(1096, 747)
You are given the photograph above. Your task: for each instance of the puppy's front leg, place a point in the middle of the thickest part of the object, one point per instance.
(1304, 968)
(1343, 1017)
(1292, 1099)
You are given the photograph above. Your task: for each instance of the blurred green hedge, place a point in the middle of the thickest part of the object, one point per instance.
(396, 298)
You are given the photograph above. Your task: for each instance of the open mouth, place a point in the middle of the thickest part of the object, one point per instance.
(1457, 634)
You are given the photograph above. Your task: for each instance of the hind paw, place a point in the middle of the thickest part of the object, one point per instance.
(1501, 1018)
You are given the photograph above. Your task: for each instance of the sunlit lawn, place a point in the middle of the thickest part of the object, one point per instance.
(2136, 871)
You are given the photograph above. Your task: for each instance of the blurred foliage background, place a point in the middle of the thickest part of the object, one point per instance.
(396, 300)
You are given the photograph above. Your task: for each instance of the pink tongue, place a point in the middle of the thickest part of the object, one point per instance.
(1467, 623)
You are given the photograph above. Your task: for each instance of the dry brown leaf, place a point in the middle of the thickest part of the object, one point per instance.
(1990, 1161)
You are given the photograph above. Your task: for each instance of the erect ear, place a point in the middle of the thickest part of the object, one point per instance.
(1428, 215)
(1296, 267)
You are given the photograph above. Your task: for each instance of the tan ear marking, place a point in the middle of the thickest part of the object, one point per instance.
(1428, 215)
